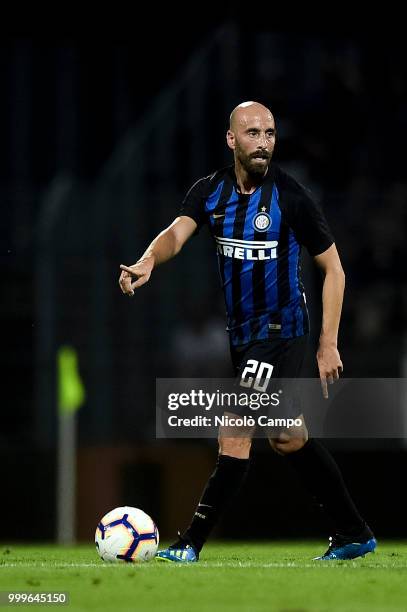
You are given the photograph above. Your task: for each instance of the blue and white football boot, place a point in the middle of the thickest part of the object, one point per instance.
(180, 552)
(342, 547)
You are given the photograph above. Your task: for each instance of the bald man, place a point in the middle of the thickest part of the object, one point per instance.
(260, 217)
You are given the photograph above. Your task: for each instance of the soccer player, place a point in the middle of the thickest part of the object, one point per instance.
(260, 217)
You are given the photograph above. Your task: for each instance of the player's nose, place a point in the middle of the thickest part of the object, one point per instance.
(263, 141)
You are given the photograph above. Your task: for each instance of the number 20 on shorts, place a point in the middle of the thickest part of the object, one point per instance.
(262, 371)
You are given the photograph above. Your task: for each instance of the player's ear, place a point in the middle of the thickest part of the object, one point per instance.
(230, 139)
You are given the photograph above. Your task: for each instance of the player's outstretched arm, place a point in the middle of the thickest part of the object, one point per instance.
(329, 361)
(165, 246)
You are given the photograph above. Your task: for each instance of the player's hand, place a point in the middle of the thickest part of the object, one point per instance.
(141, 271)
(330, 366)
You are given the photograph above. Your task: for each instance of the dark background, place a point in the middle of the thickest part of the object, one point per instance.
(103, 131)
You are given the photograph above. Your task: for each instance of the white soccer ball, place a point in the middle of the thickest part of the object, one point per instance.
(126, 534)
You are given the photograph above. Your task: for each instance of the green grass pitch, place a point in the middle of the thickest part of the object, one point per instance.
(238, 576)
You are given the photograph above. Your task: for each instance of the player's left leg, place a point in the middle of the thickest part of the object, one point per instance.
(230, 472)
(321, 475)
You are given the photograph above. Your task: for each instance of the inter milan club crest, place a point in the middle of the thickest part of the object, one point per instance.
(262, 221)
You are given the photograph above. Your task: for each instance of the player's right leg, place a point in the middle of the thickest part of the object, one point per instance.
(230, 471)
(319, 473)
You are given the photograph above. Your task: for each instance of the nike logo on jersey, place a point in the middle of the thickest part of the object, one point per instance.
(251, 250)
(215, 216)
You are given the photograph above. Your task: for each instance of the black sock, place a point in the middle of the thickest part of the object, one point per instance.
(322, 477)
(225, 481)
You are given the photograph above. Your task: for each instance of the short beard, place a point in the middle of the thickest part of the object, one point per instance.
(252, 167)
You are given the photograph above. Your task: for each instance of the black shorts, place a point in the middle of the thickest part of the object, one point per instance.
(271, 366)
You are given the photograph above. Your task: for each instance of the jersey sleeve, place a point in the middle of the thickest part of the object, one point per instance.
(193, 205)
(303, 214)
(310, 226)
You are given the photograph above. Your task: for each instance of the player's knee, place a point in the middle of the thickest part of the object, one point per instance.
(285, 444)
(235, 447)
(286, 441)
(285, 448)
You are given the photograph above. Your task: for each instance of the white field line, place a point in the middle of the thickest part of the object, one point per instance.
(207, 565)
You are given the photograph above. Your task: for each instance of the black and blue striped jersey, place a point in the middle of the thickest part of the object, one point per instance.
(258, 240)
